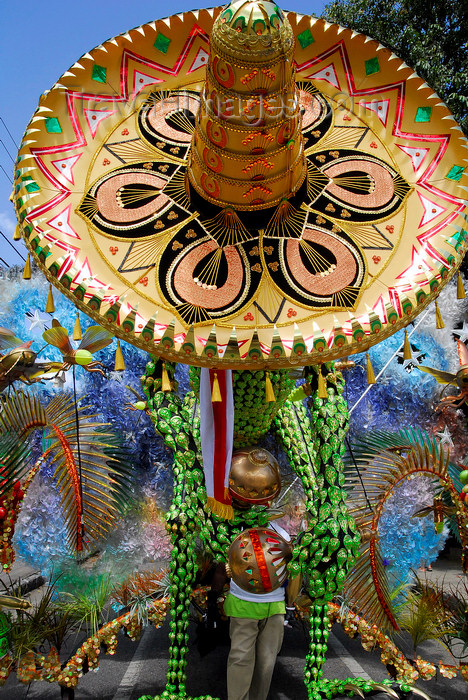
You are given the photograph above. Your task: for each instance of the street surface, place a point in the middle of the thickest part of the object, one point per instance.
(140, 667)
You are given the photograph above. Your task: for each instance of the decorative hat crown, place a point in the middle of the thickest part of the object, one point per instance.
(247, 150)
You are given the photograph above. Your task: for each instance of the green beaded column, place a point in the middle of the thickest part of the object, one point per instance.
(173, 422)
(328, 547)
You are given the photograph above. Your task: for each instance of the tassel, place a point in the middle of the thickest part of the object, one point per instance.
(439, 320)
(27, 269)
(370, 370)
(216, 391)
(322, 385)
(407, 355)
(269, 393)
(119, 365)
(17, 234)
(77, 328)
(460, 288)
(50, 306)
(165, 381)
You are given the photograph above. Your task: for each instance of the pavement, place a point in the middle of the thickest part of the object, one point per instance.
(140, 667)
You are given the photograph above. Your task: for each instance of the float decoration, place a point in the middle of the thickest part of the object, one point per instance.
(215, 201)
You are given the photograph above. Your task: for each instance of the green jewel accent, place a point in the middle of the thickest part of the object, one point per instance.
(164, 427)
(330, 474)
(320, 529)
(158, 399)
(337, 462)
(325, 452)
(52, 125)
(334, 444)
(372, 66)
(32, 187)
(335, 495)
(170, 442)
(182, 440)
(99, 74)
(162, 43)
(423, 114)
(455, 173)
(343, 522)
(341, 557)
(305, 38)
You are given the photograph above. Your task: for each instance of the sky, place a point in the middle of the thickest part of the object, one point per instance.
(40, 41)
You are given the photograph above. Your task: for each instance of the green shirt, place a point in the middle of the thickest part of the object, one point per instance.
(234, 607)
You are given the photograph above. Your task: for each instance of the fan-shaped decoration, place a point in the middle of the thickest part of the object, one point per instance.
(379, 463)
(91, 470)
(225, 183)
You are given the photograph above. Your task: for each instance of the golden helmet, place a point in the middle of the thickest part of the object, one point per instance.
(254, 478)
(257, 560)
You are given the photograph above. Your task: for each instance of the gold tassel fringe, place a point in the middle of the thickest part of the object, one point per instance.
(223, 510)
(269, 393)
(407, 348)
(17, 234)
(165, 381)
(322, 385)
(27, 269)
(439, 320)
(216, 391)
(119, 365)
(77, 328)
(50, 306)
(461, 294)
(370, 370)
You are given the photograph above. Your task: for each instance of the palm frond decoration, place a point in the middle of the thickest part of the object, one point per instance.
(379, 462)
(368, 588)
(14, 461)
(90, 471)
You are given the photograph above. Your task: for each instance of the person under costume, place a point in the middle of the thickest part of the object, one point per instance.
(256, 630)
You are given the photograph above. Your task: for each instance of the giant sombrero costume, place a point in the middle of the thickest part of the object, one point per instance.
(241, 207)
(240, 189)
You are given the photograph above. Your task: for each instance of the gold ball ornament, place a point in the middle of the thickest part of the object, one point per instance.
(254, 478)
(257, 560)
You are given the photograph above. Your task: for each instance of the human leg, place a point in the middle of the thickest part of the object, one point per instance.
(269, 640)
(241, 661)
